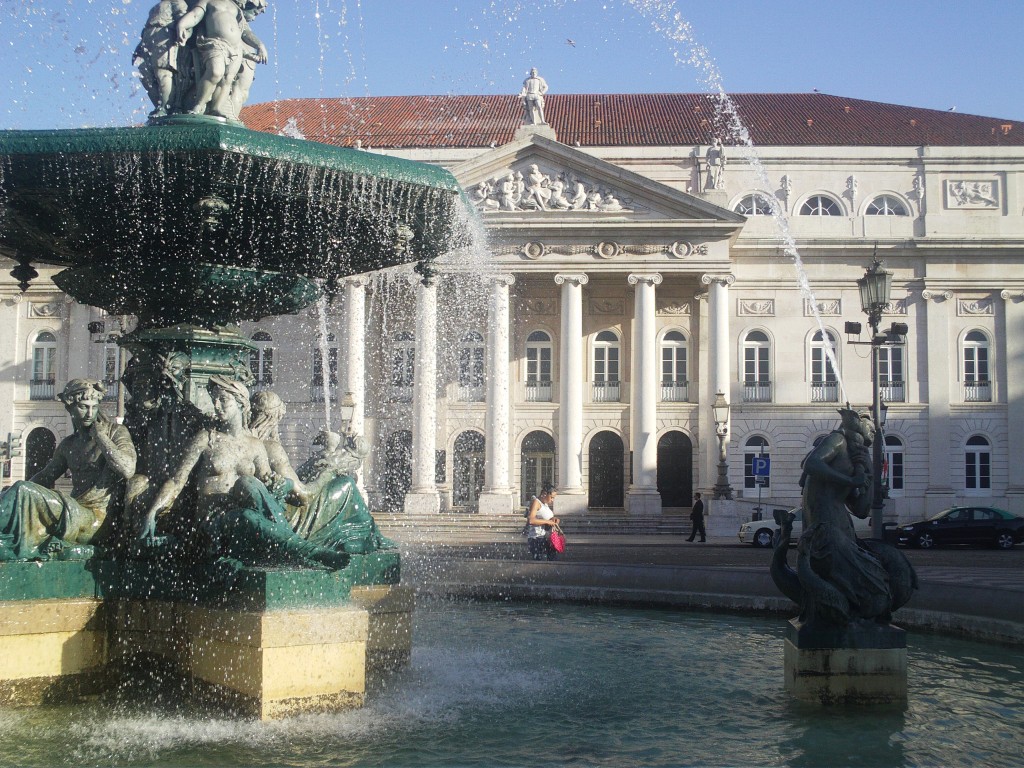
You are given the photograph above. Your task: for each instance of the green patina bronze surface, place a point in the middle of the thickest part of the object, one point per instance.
(144, 207)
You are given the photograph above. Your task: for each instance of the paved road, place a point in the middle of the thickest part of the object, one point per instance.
(1004, 569)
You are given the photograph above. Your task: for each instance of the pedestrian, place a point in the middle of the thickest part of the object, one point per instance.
(697, 518)
(540, 520)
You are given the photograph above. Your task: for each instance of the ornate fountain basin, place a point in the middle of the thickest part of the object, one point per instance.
(199, 215)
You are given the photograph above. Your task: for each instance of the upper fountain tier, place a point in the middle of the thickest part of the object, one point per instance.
(206, 222)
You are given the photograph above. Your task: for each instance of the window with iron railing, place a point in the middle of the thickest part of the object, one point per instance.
(977, 385)
(757, 384)
(824, 381)
(673, 368)
(606, 368)
(538, 367)
(890, 374)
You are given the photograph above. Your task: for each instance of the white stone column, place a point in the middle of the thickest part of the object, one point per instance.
(423, 496)
(355, 348)
(643, 497)
(939, 494)
(570, 402)
(1013, 354)
(79, 340)
(718, 311)
(718, 379)
(498, 496)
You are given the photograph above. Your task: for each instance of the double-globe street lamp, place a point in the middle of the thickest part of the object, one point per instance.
(875, 290)
(720, 412)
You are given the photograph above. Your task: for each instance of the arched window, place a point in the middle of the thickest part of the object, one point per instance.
(886, 205)
(977, 385)
(403, 365)
(606, 367)
(757, 380)
(318, 389)
(538, 367)
(537, 464)
(44, 367)
(824, 382)
(892, 465)
(471, 368)
(261, 361)
(673, 368)
(977, 465)
(756, 204)
(755, 448)
(821, 205)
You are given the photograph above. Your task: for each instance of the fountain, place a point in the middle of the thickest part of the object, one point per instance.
(267, 587)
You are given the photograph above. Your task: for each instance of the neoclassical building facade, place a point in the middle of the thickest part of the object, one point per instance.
(631, 270)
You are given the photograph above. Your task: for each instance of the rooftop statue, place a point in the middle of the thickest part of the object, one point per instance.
(241, 500)
(532, 96)
(841, 579)
(38, 522)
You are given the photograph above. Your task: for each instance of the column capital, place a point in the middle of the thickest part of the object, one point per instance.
(503, 279)
(928, 294)
(651, 278)
(1011, 295)
(724, 280)
(573, 279)
(357, 281)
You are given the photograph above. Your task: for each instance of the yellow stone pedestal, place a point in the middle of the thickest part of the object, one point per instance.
(860, 667)
(51, 650)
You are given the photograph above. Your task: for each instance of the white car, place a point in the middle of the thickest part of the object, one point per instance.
(761, 533)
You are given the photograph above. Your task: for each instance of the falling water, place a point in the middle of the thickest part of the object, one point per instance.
(325, 356)
(668, 22)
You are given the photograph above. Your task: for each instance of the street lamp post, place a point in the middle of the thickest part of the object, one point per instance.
(720, 410)
(875, 289)
(348, 410)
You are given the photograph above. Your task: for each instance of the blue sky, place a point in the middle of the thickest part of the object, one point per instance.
(66, 63)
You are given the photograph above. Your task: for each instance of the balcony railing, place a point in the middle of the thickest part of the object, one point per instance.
(469, 393)
(675, 391)
(824, 392)
(607, 391)
(538, 391)
(111, 386)
(316, 391)
(757, 391)
(42, 389)
(893, 391)
(400, 393)
(978, 391)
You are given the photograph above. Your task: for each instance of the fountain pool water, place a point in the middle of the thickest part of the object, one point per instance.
(571, 685)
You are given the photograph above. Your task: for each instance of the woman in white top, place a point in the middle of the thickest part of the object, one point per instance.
(541, 520)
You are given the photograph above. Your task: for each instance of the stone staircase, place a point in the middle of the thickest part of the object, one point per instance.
(473, 526)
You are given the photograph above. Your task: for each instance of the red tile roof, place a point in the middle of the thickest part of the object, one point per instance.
(631, 119)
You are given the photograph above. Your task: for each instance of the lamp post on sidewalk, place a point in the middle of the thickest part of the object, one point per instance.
(875, 290)
(720, 410)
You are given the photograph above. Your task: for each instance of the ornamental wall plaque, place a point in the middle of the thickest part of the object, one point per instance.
(756, 307)
(972, 194)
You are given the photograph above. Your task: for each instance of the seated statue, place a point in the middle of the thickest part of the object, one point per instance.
(38, 522)
(240, 501)
(333, 513)
(841, 579)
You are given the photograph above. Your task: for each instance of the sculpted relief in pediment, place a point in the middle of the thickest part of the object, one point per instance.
(528, 188)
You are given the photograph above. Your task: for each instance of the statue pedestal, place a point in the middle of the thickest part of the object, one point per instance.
(860, 664)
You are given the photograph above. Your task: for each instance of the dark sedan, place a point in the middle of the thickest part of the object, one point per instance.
(980, 526)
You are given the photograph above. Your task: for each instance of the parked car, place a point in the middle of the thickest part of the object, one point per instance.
(761, 533)
(980, 526)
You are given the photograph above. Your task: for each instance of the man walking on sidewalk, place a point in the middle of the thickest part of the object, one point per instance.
(697, 517)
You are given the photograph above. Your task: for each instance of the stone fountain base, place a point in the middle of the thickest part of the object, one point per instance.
(856, 665)
(265, 653)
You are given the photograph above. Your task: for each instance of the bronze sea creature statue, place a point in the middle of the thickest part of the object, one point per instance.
(839, 579)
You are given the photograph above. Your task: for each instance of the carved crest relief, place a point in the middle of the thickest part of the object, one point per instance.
(538, 306)
(669, 306)
(826, 307)
(528, 188)
(974, 307)
(756, 307)
(599, 306)
(972, 194)
(44, 309)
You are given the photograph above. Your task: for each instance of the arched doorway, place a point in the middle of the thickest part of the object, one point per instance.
(397, 475)
(537, 464)
(607, 487)
(39, 448)
(675, 469)
(468, 480)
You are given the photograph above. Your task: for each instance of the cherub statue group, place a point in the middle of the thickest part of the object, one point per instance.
(245, 503)
(199, 56)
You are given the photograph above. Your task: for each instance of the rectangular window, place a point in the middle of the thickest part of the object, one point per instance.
(979, 470)
(538, 364)
(975, 365)
(749, 479)
(673, 366)
(402, 367)
(43, 367)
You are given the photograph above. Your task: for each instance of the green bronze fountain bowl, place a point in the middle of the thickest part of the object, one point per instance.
(152, 204)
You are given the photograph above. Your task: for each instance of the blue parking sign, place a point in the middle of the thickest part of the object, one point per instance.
(761, 466)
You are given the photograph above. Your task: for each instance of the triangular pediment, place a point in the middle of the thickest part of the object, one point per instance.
(535, 176)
